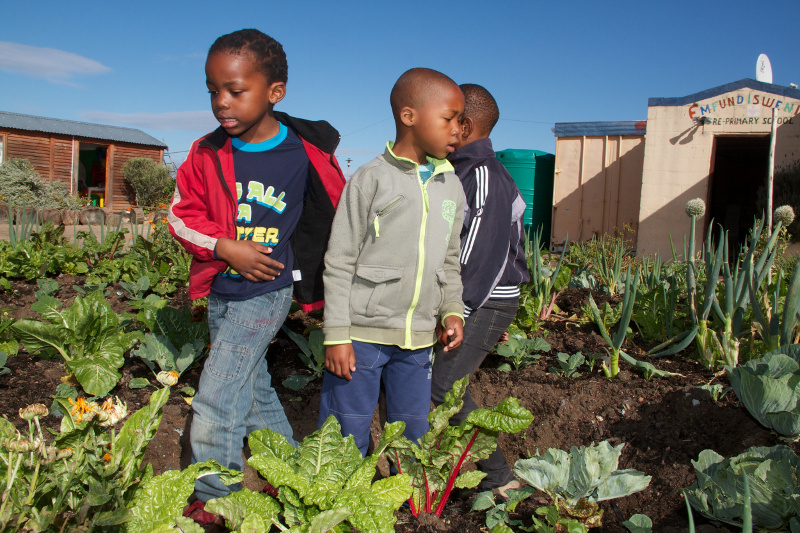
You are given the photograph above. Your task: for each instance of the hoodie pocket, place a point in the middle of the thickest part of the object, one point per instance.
(441, 281)
(376, 290)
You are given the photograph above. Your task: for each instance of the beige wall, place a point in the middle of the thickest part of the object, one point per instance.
(679, 153)
(596, 187)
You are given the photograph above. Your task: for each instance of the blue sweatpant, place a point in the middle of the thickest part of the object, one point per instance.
(406, 376)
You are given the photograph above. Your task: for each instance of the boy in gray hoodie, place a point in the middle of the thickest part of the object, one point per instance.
(392, 266)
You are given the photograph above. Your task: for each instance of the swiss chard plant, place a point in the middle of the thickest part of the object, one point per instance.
(434, 463)
(771, 476)
(321, 484)
(578, 480)
(521, 351)
(88, 335)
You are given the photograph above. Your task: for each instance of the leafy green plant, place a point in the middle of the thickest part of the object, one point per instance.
(136, 289)
(771, 476)
(434, 463)
(3, 360)
(609, 316)
(577, 480)
(520, 350)
(83, 480)
(150, 181)
(542, 290)
(568, 364)
(322, 483)
(312, 353)
(639, 523)
(769, 388)
(88, 335)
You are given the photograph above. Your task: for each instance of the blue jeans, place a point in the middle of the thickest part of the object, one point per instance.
(482, 329)
(235, 395)
(406, 376)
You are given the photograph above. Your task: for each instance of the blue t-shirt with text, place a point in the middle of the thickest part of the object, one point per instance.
(271, 179)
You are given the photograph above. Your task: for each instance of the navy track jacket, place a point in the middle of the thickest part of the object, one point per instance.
(493, 263)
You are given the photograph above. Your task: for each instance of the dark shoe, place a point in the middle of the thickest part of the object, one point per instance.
(197, 512)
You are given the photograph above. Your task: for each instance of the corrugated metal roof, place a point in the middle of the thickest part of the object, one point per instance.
(746, 83)
(594, 129)
(77, 129)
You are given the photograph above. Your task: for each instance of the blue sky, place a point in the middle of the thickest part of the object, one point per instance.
(140, 64)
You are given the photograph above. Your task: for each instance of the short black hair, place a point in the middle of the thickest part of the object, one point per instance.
(267, 52)
(480, 106)
(415, 86)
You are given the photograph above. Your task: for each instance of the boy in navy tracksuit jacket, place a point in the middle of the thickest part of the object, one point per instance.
(493, 263)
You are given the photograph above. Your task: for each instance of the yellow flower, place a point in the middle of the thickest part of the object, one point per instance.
(165, 220)
(81, 407)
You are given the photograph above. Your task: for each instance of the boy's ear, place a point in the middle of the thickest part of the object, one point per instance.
(407, 116)
(467, 127)
(276, 92)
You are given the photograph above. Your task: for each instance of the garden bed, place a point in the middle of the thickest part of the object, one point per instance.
(665, 422)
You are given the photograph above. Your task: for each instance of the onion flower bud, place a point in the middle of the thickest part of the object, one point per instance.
(696, 207)
(784, 214)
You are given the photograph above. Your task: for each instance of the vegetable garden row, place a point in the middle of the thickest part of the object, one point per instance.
(732, 311)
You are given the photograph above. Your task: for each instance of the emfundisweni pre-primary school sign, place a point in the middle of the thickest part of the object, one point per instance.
(712, 145)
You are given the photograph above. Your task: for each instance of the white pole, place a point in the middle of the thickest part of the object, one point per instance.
(771, 170)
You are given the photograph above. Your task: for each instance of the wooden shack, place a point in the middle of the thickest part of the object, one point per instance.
(86, 157)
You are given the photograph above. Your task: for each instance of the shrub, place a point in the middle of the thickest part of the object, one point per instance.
(150, 181)
(21, 184)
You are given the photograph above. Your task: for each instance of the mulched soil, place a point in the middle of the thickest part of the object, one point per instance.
(665, 423)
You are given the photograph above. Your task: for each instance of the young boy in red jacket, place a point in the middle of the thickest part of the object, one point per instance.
(253, 204)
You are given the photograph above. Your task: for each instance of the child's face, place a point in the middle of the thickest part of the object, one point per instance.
(242, 97)
(437, 123)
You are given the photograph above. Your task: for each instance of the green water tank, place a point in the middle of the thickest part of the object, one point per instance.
(532, 171)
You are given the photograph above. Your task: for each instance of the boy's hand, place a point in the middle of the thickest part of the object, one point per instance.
(249, 259)
(340, 360)
(451, 335)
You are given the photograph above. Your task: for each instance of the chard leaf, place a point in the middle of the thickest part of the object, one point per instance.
(639, 523)
(469, 480)
(237, 506)
(326, 445)
(35, 335)
(369, 513)
(272, 443)
(158, 501)
(508, 416)
(97, 375)
(47, 307)
(327, 520)
(279, 474)
(394, 489)
(254, 524)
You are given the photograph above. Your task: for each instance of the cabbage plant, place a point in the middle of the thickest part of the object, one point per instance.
(770, 389)
(719, 492)
(577, 480)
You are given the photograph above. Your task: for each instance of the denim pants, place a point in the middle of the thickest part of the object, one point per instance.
(235, 395)
(482, 329)
(406, 376)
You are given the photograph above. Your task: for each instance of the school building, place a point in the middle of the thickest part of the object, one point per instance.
(713, 144)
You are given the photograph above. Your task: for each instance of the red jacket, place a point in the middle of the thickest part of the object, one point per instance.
(204, 207)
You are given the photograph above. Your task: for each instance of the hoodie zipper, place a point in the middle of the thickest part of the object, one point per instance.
(385, 211)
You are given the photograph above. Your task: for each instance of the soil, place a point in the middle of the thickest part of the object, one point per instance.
(665, 423)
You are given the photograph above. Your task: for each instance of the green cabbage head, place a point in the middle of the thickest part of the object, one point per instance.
(770, 389)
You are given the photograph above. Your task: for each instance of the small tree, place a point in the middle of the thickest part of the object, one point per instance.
(150, 181)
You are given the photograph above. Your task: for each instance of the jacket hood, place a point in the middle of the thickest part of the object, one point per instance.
(317, 132)
(480, 149)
